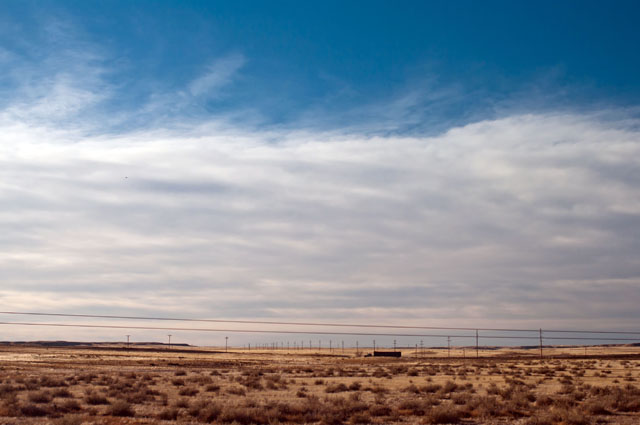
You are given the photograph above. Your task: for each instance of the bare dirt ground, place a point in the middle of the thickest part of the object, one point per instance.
(154, 385)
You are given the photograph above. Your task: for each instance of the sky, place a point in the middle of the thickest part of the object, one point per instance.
(445, 163)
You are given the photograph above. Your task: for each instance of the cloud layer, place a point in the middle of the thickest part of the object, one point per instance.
(530, 219)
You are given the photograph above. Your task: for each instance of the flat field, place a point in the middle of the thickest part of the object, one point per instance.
(154, 385)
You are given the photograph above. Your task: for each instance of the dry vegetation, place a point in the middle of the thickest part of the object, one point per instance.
(75, 386)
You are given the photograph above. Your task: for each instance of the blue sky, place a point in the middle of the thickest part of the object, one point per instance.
(456, 162)
(451, 62)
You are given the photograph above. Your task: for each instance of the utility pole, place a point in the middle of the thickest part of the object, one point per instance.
(540, 342)
(448, 346)
(226, 344)
(169, 341)
(330, 346)
(374, 345)
(477, 352)
(394, 345)
(357, 348)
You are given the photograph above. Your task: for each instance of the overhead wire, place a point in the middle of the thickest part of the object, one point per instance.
(320, 324)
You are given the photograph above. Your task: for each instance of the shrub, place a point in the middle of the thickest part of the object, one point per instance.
(412, 389)
(253, 382)
(188, 391)
(48, 381)
(335, 388)
(95, 399)
(380, 410)
(62, 393)
(33, 410)
(485, 406)
(120, 408)
(449, 387)
(360, 418)
(461, 398)
(430, 388)
(444, 415)
(7, 390)
(182, 402)
(243, 415)
(210, 413)
(70, 406)
(168, 414)
(87, 377)
(235, 390)
(212, 388)
(414, 406)
(595, 407)
(378, 389)
(40, 396)
(569, 417)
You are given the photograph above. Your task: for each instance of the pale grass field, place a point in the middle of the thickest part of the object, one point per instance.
(113, 385)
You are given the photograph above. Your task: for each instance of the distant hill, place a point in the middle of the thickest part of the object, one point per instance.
(85, 344)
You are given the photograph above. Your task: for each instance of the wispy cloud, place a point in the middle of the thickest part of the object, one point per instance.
(217, 75)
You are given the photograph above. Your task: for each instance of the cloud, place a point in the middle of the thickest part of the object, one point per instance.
(218, 74)
(57, 84)
(530, 219)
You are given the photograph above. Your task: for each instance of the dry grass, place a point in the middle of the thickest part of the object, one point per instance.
(76, 386)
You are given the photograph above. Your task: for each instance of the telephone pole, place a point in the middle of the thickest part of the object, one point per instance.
(540, 342)
(477, 352)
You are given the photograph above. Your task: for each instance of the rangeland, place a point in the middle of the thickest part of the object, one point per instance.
(154, 385)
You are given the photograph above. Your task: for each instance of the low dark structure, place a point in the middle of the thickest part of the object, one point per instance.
(387, 353)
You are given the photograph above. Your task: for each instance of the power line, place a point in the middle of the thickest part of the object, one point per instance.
(163, 328)
(348, 325)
